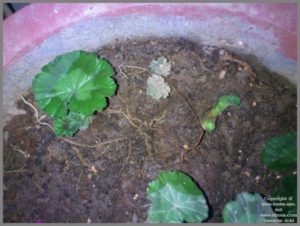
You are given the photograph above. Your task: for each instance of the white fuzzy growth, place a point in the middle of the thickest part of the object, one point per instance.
(161, 66)
(157, 88)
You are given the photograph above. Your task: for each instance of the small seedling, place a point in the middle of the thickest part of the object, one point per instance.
(208, 122)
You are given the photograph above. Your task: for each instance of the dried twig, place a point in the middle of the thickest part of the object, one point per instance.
(36, 114)
(202, 64)
(186, 150)
(76, 188)
(127, 110)
(24, 153)
(91, 146)
(16, 171)
(125, 75)
(113, 111)
(140, 171)
(81, 159)
(185, 99)
(129, 152)
(227, 57)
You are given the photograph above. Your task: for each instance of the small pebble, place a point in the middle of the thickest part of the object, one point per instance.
(134, 219)
(246, 173)
(250, 84)
(295, 172)
(136, 196)
(222, 74)
(240, 151)
(93, 169)
(278, 177)
(254, 104)
(185, 146)
(89, 221)
(241, 43)
(257, 178)
(89, 176)
(5, 135)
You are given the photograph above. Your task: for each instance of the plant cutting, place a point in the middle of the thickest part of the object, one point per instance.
(208, 122)
(71, 88)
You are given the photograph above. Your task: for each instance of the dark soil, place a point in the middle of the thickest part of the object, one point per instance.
(108, 183)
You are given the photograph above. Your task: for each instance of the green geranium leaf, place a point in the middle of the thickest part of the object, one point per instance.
(175, 199)
(248, 208)
(288, 193)
(280, 153)
(76, 81)
(209, 119)
(71, 123)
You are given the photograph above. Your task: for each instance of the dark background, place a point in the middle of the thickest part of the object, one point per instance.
(11, 8)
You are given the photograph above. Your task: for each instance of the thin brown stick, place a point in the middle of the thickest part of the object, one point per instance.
(80, 157)
(112, 111)
(228, 57)
(198, 142)
(16, 171)
(140, 171)
(36, 113)
(202, 64)
(125, 75)
(122, 72)
(76, 188)
(185, 99)
(91, 146)
(127, 110)
(186, 151)
(24, 153)
(129, 152)
(136, 67)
